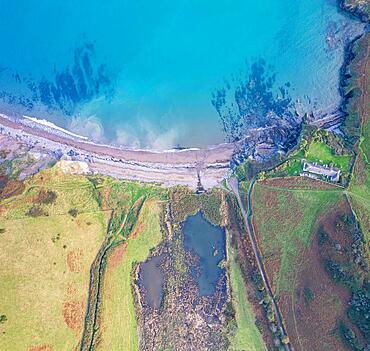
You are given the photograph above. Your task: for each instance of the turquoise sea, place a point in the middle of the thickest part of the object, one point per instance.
(143, 72)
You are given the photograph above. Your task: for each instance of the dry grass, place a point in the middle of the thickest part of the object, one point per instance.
(45, 262)
(118, 322)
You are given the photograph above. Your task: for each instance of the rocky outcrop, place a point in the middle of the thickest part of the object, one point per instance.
(358, 8)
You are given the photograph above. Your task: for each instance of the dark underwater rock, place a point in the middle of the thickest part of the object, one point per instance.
(261, 119)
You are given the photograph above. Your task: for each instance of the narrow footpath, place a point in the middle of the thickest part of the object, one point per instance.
(234, 185)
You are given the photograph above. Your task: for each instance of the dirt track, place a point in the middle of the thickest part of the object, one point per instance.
(247, 218)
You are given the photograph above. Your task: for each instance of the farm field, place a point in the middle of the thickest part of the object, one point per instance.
(247, 335)
(286, 216)
(359, 188)
(285, 212)
(50, 234)
(118, 322)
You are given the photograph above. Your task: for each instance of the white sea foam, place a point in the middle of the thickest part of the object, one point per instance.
(51, 125)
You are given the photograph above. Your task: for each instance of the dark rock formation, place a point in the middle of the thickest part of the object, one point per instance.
(358, 8)
(77, 83)
(260, 119)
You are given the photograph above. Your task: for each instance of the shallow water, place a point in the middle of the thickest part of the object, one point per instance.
(152, 279)
(207, 242)
(143, 72)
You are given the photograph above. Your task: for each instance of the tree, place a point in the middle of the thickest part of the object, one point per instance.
(285, 339)
(261, 175)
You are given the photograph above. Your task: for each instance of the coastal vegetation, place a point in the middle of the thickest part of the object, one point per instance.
(44, 276)
(302, 227)
(359, 188)
(320, 147)
(118, 316)
(75, 248)
(285, 211)
(124, 202)
(247, 335)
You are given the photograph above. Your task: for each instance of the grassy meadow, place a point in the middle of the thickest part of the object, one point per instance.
(284, 218)
(247, 336)
(46, 251)
(322, 153)
(118, 322)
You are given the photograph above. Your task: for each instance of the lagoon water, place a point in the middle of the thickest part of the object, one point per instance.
(152, 279)
(142, 73)
(207, 242)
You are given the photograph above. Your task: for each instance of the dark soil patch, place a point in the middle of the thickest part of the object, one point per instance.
(36, 211)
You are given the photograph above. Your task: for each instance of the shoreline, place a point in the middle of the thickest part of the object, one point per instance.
(173, 167)
(193, 167)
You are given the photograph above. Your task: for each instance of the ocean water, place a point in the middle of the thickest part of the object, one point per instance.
(143, 73)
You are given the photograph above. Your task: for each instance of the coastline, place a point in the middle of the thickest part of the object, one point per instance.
(171, 167)
(189, 167)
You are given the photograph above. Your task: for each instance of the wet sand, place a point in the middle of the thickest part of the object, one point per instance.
(171, 167)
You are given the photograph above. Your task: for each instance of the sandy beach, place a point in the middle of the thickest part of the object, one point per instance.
(171, 167)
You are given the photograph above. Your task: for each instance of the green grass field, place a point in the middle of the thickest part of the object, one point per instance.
(45, 262)
(118, 322)
(246, 336)
(319, 152)
(322, 153)
(285, 220)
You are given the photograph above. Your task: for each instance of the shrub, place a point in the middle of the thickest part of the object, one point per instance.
(349, 337)
(73, 212)
(36, 211)
(322, 237)
(308, 294)
(46, 197)
(359, 311)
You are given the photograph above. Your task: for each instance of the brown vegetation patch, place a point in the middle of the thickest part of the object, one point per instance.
(312, 312)
(272, 264)
(138, 229)
(71, 289)
(45, 197)
(36, 211)
(43, 347)
(115, 257)
(277, 209)
(10, 187)
(73, 313)
(74, 259)
(297, 183)
(360, 170)
(3, 210)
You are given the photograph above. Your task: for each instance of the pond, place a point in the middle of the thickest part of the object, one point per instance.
(151, 279)
(208, 243)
